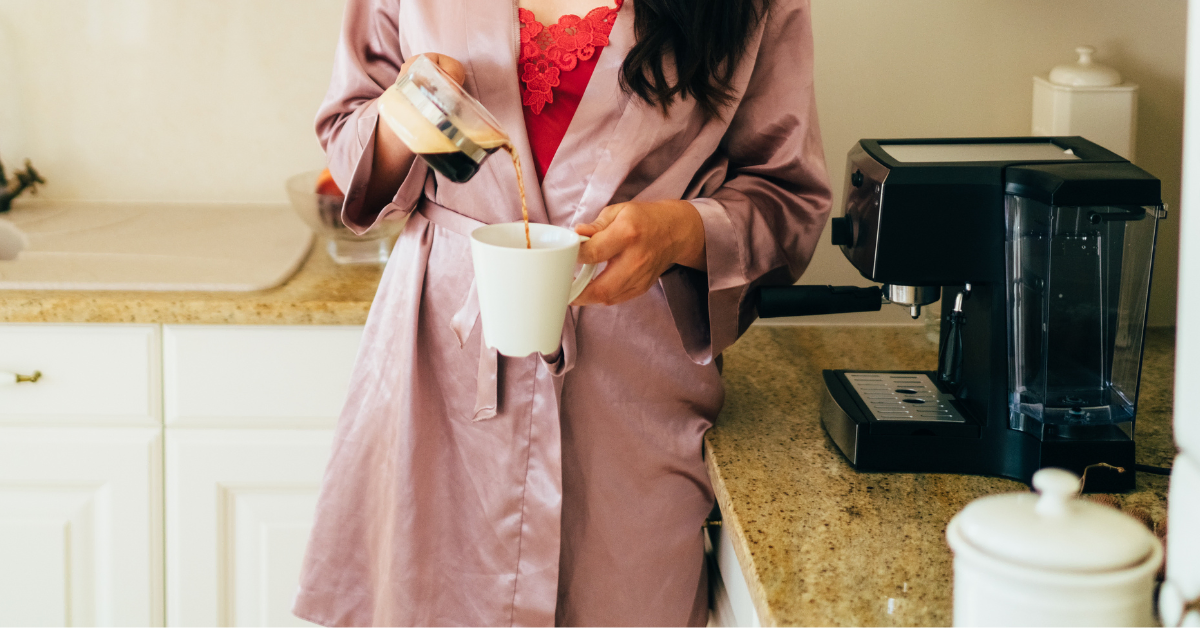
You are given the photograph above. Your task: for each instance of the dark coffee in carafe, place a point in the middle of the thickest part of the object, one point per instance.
(454, 166)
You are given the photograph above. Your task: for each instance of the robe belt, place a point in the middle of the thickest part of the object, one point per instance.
(464, 320)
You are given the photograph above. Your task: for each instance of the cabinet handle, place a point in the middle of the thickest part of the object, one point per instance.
(17, 378)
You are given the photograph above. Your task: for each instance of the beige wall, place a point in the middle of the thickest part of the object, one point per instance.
(214, 99)
(943, 68)
(165, 100)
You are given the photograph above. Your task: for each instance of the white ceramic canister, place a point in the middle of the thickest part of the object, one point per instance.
(1089, 99)
(1051, 560)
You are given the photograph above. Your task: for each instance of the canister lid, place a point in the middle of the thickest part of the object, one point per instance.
(1055, 531)
(1085, 72)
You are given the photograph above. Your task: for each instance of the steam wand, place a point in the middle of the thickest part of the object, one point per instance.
(26, 179)
(950, 358)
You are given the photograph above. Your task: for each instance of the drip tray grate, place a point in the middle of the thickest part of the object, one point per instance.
(904, 397)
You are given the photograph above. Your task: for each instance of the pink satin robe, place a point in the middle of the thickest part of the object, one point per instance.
(468, 490)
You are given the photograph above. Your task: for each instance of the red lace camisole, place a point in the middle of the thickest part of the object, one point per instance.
(556, 64)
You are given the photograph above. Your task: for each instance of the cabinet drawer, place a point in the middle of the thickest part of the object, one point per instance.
(261, 376)
(91, 374)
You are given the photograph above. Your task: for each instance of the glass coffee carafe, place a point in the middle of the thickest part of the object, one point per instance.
(438, 120)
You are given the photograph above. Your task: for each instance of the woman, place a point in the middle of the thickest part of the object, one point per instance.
(470, 488)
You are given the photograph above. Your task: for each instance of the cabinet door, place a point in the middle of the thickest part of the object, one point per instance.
(732, 602)
(240, 504)
(257, 376)
(80, 527)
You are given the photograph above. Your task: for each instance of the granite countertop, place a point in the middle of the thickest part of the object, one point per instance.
(320, 293)
(821, 544)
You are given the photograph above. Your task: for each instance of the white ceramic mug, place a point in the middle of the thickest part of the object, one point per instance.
(524, 293)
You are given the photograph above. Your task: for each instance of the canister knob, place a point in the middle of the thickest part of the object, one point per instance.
(1057, 487)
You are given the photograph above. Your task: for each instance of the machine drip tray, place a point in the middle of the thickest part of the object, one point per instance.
(903, 397)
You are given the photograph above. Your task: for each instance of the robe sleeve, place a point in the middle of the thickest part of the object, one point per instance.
(762, 224)
(366, 62)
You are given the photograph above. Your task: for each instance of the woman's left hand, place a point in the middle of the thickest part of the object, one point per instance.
(640, 241)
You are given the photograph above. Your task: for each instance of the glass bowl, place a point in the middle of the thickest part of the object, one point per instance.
(323, 214)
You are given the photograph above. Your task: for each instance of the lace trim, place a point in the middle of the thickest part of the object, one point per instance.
(546, 52)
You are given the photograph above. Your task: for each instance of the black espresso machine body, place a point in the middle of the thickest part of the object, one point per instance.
(1041, 250)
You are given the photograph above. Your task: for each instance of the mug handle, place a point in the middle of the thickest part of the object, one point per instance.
(586, 274)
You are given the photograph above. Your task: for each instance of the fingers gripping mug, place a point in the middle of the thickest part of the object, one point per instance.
(524, 292)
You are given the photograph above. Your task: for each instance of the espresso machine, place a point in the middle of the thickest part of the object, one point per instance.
(1040, 250)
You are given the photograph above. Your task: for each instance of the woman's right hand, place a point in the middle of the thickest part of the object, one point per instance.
(393, 159)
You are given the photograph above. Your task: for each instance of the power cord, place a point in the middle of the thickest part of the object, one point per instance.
(1145, 468)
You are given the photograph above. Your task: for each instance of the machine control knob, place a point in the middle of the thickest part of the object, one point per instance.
(841, 231)
(856, 179)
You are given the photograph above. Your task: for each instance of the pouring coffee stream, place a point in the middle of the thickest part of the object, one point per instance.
(516, 159)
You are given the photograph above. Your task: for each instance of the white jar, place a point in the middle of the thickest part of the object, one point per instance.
(1088, 99)
(1053, 560)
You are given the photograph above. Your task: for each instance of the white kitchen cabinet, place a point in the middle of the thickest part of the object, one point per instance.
(91, 375)
(239, 508)
(257, 376)
(249, 413)
(1183, 546)
(109, 518)
(732, 604)
(80, 527)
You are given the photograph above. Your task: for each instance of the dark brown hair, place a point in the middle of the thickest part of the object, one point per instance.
(705, 38)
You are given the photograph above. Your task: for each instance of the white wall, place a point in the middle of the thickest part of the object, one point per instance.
(208, 100)
(214, 99)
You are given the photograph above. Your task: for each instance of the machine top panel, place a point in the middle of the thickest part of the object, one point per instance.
(1000, 151)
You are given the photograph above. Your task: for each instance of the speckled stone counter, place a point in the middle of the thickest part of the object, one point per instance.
(320, 293)
(821, 544)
